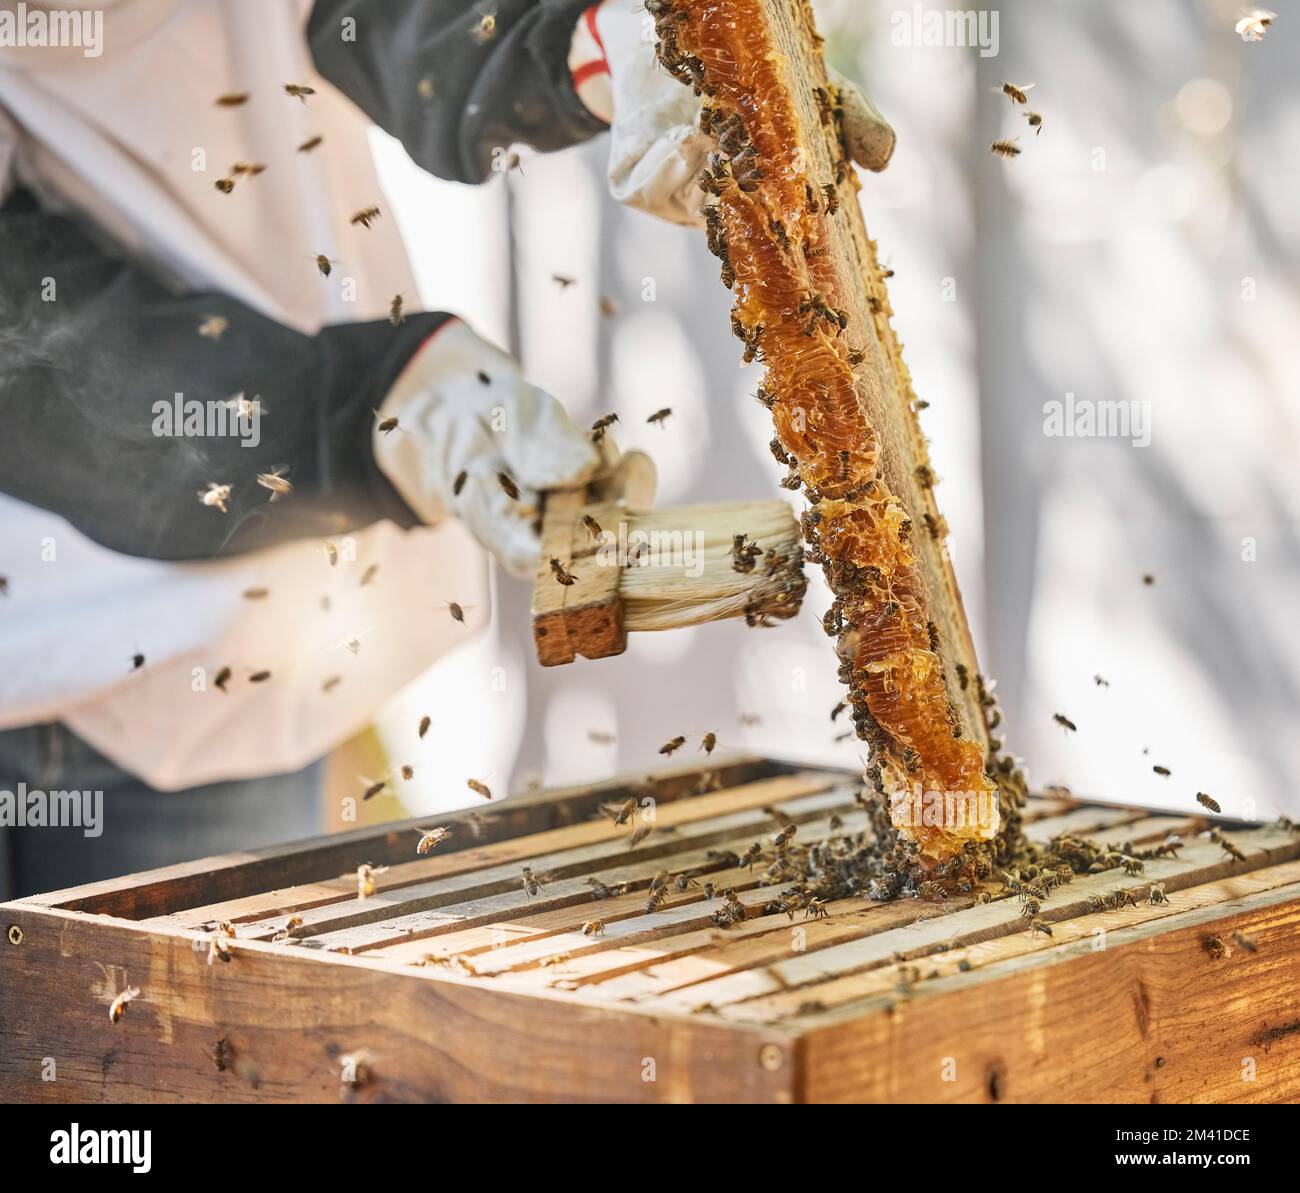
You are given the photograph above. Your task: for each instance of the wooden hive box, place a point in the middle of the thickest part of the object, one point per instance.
(908, 1001)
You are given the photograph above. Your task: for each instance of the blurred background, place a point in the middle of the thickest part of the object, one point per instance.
(1143, 248)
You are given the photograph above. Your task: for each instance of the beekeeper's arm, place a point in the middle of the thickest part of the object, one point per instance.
(544, 73)
(93, 349)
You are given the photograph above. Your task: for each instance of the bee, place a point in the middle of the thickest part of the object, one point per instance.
(1156, 894)
(407, 773)
(276, 482)
(299, 91)
(259, 677)
(232, 99)
(593, 928)
(669, 747)
(225, 185)
(1253, 24)
(373, 788)
(485, 28)
(1227, 846)
(1208, 801)
(608, 307)
(624, 814)
(215, 496)
(366, 879)
(117, 1008)
(750, 856)
(641, 832)
(1065, 722)
(395, 314)
(1014, 93)
(364, 216)
(816, 909)
(1035, 122)
(785, 835)
(561, 576)
(684, 882)
(1101, 681)
(563, 280)
(137, 661)
(1214, 946)
(386, 426)
(660, 416)
(531, 883)
(483, 378)
(1039, 925)
(1031, 908)
(1163, 771)
(368, 575)
(331, 553)
(331, 683)
(256, 594)
(218, 949)
(310, 143)
(1005, 148)
(508, 485)
(1148, 579)
(709, 743)
(1132, 865)
(479, 788)
(654, 903)
(249, 169)
(223, 678)
(832, 197)
(425, 722)
(459, 483)
(1120, 898)
(430, 838)
(213, 327)
(1249, 943)
(324, 264)
(593, 527)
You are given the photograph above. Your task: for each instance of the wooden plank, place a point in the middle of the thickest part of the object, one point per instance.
(1151, 1019)
(521, 850)
(291, 1015)
(1200, 862)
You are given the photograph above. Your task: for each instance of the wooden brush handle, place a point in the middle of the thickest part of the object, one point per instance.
(585, 617)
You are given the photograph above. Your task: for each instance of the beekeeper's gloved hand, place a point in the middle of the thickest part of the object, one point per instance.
(464, 412)
(657, 150)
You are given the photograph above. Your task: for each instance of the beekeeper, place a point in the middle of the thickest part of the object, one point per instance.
(181, 189)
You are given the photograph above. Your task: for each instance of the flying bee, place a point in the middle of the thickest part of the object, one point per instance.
(386, 426)
(621, 815)
(215, 496)
(531, 883)
(1163, 771)
(1016, 94)
(1035, 122)
(561, 575)
(395, 314)
(1227, 846)
(593, 527)
(660, 416)
(223, 678)
(373, 787)
(1065, 722)
(213, 327)
(563, 280)
(1007, 148)
(231, 99)
(709, 742)
(431, 837)
(1208, 801)
(255, 594)
(479, 788)
(407, 773)
(750, 856)
(310, 143)
(299, 91)
(1249, 943)
(593, 928)
(785, 835)
(669, 747)
(485, 28)
(324, 264)
(366, 879)
(276, 481)
(425, 722)
(137, 661)
(508, 485)
(368, 575)
(364, 216)
(639, 834)
(1101, 681)
(457, 611)
(259, 677)
(1148, 579)
(459, 483)
(225, 185)
(248, 169)
(1253, 24)
(1156, 894)
(331, 553)
(832, 197)
(331, 683)
(117, 1008)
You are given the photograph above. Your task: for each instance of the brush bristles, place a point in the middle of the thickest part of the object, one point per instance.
(686, 573)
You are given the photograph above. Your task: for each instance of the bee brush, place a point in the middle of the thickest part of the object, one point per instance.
(611, 565)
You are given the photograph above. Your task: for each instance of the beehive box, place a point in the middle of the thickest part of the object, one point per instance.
(450, 983)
